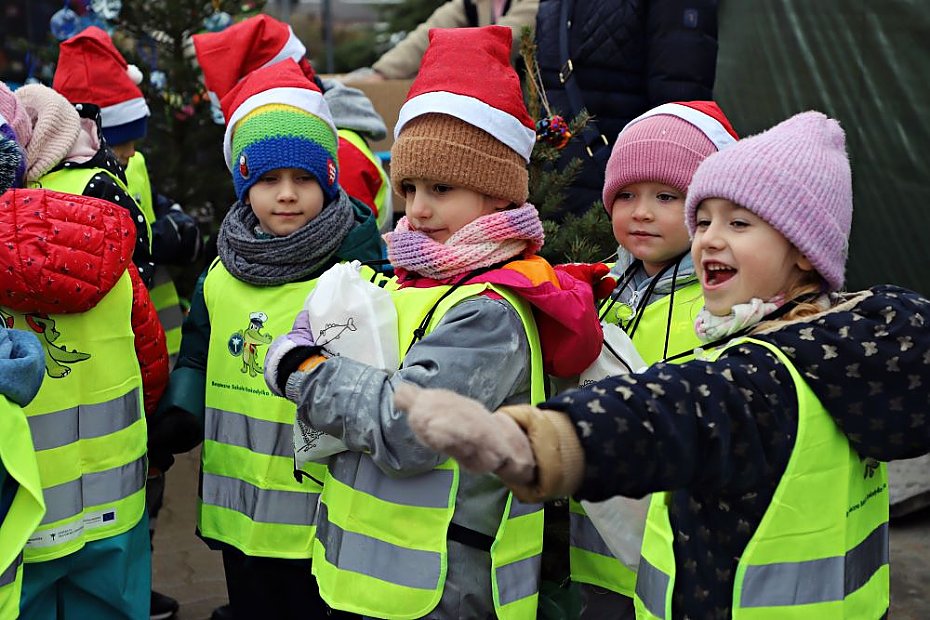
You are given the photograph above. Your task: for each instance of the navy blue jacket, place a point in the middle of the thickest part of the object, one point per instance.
(628, 56)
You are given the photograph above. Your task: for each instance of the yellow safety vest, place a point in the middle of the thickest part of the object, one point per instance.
(385, 217)
(391, 557)
(27, 508)
(821, 549)
(74, 180)
(249, 497)
(590, 559)
(163, 292)
(88, 425)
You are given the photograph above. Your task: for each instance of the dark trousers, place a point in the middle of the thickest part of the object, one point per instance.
(258, 585)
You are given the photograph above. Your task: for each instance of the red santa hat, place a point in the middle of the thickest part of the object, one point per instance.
(466, 75)
(226, 57)
(277, 118)
(91, 70)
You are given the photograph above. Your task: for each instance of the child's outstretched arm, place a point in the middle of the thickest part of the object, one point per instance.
(479, 349)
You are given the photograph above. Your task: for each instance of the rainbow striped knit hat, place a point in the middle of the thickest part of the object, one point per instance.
(277, 118)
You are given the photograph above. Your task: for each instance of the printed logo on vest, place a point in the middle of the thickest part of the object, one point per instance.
(56, 357)
(245, 342)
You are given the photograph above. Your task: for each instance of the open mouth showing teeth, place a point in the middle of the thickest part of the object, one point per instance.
(716, 273)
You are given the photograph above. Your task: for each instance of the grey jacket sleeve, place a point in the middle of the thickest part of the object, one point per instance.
(478, 349)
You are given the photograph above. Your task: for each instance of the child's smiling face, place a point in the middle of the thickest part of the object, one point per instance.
(285, 199)
(648, 220)
(439, 210)
(738, 256)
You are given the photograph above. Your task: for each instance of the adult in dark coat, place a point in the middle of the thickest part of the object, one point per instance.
(627, 56)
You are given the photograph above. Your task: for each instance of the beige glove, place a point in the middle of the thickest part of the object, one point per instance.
(462, 428)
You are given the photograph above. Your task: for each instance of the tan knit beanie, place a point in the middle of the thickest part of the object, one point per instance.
(55, 128)
(443, 148)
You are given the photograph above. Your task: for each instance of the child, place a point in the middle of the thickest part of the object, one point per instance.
(292, 222)
(91, 70)
(22, 367)
(66, 152)
(258, 41)
(401, 532)
(69, 280)
(775, 504)
(658, 295)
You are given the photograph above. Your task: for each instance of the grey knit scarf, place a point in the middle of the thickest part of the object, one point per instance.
(279, 260)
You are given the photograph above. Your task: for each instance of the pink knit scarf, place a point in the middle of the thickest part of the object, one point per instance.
(485, 241)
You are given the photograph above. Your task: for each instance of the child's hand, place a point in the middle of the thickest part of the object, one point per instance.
(462, 428)
(299, 343)
(594, 274)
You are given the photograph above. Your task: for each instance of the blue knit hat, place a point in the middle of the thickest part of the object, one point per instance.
(12, 158)
(277, 118)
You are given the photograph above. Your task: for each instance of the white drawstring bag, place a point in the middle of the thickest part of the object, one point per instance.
(619, 520)
(354, 318)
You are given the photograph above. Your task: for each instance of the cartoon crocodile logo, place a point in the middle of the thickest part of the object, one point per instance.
(245, 343)
(55, 356)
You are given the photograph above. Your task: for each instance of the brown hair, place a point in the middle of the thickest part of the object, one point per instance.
(807, 290)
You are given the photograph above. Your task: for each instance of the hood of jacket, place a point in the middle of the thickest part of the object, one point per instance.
(352, 109)
(61, 253)
(569, 330)
(867, 359)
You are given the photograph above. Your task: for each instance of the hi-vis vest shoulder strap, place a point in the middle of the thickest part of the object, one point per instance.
(249, 496)
(821, 549)
(139, 185)
(87, 425)
(18, 458)
(381, 547)
(163, 292)
(663, 330)
(383, 201)
(74, 180)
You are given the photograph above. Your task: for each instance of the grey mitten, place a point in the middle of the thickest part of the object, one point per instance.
(465, 430)
(278, 363)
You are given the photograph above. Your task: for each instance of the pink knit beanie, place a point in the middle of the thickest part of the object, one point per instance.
(666, 145)
(15, 115)
(796, 177)
(55, 128)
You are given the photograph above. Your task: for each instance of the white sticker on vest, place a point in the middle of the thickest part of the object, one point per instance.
(70, 531)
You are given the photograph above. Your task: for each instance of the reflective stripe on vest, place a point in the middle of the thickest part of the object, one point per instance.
(821, 549)
(18, 458)
(591, 560)
(382, 547)
(87, 425)
(383, 199)
(75, 180)
(249, 497)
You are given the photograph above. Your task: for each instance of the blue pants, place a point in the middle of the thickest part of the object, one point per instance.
(107, 579)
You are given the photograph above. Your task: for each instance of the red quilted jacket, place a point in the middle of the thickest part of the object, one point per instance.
(62, 253)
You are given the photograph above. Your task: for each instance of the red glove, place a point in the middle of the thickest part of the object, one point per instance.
(594, 274)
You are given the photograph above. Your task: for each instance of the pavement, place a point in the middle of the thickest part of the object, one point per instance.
(187, 570)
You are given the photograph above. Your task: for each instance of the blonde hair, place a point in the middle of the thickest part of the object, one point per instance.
(808, 289)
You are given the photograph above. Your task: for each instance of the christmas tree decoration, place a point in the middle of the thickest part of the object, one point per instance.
(217, 21)
(65, 23)
(553, 130)
(158, 80)
(107, 9)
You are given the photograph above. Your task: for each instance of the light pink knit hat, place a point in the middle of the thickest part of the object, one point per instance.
(55, 128)
(666, 145)
(795, 176)
(15, 115)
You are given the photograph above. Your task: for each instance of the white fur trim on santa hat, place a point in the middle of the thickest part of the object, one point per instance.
(712, 128)
(124, 112)
(293, 48)
(134, 73)
(503, 126)
(302, 98)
